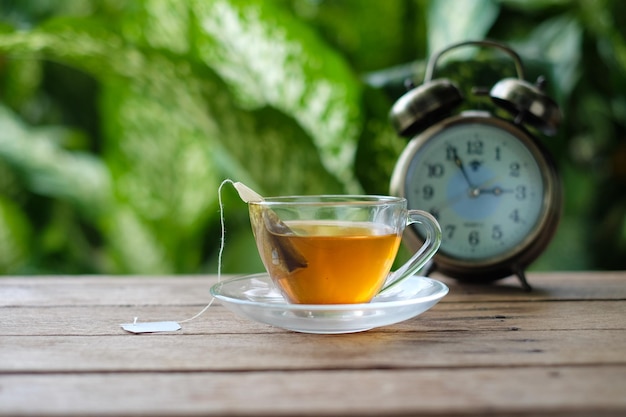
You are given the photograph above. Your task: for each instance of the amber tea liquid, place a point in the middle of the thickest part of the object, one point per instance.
(346, 262)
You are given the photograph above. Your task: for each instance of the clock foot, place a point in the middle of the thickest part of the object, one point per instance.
(522, 278)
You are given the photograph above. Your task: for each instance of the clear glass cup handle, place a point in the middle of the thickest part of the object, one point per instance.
(431, 244)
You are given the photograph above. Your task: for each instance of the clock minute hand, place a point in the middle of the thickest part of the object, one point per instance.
(459, 163)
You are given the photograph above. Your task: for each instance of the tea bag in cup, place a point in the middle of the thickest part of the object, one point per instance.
(283, 254)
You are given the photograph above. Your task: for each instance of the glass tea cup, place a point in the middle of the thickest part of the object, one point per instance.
(337, 249)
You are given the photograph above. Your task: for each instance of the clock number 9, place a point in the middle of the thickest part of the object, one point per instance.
(428, 192)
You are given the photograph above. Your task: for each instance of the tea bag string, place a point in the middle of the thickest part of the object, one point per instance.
(152, 327)
(220, 253)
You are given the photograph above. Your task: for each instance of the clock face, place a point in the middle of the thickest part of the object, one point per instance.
(482, 182)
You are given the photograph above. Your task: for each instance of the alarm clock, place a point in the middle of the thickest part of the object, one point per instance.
(491, 184)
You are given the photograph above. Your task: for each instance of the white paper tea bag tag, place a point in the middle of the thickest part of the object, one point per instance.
(151, 327)
(246, 193)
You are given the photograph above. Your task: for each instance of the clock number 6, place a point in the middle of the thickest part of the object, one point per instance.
(473, 238)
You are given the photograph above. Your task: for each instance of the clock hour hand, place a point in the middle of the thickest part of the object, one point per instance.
(497, 191)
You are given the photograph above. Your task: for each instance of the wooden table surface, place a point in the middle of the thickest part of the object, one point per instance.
(483, 350)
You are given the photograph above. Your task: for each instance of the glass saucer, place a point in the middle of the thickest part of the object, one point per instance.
(255, 297)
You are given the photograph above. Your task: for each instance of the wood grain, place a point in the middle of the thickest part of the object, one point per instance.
(290, 351)
(533, 391)
(483, 350)
(497, 316)
(184, 290)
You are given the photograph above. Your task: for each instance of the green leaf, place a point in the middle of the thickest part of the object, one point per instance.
(269, 58)
(371, 34)
(15, 237)
(605, 19)
(452, 21)
(558, 43)
(132, 246)
(169, 132)
(379, 145)
(535, 5)
(171, 129)
(159, 25)
(20, 82)
(77, 177)
(159, 142)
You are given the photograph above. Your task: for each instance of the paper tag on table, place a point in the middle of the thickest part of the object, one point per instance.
(247, 194)
(151, 327)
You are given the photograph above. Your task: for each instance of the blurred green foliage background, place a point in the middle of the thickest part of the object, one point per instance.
(119, 119)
